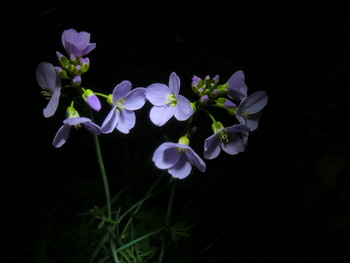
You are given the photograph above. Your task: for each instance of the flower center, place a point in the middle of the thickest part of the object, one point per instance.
(47, 94)
(223, 136)
(120, 104)
(171, 100)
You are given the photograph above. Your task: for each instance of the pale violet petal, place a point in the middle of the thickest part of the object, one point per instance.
(135, 99)
(92, 127)
(234, 145)
(47, 78)
(126, 121)
(52, 105)
(121, 90)
(212, 147)
(195, 160)
(158, 94)
(181, 169)
(61, 135)
(174, 83)
(237, 87)
(183, 109)
(110, 122)
(166, 155)
(159, 115)
(256, 102)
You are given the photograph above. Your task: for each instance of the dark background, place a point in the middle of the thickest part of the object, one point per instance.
(285, 199)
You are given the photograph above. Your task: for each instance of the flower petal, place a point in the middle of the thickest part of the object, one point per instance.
(75, 121)
(52, 105)
(234, 145)
(158, 93)
(212, 147)
(92, 127)
(256, 102)
(126, 121)
(174, 83)
(181, 169)
(47, 77)
(166, 155)
(135, 99)
(159, 115)
(195, 160)
(121, 90)
(183, 109)
(253, 121)
(110, 122)
(237, 87)
(61, 135)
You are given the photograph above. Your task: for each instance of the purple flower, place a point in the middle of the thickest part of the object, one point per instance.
(49, 81)
(237, 89)
(225, 139)
(248, 111)
(124, 102)
(178, 159)
(77, 44)
(167, 101)
(76, 121)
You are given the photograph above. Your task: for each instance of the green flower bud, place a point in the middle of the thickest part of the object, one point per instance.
(64, 62)
(71, 112)
(184, 140)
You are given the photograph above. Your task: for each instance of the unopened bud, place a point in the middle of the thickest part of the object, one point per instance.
(64, 62)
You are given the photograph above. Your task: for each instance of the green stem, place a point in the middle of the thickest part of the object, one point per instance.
(108, 196)
(167, 220)
(104, 176)
(209, 114)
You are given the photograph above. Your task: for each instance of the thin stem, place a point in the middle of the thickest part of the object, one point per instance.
(209, 114)
(108, 196)
(104, 176)
(167, 220)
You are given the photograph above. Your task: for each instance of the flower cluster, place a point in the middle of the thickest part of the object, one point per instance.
(176, 157)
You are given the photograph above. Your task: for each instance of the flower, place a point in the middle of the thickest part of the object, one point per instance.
(49, 81)
(248, 111)
(77, 44)
(73, 119)
(225, 139)
(167, 101)
(178, 159)
(237, 89)
(124, 101)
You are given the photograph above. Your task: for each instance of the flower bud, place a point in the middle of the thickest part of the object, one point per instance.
(184, 140)
(61, 72)
(91, 99)
(76, 81)
(216, 126)
(77, 70)
(204, 99)
(85, 64)
(225, 103)
(64, 62)
(72, 112)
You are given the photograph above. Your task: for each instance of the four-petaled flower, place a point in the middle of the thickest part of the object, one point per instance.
(167, 101)
(75, 120)
(225, 139)
(178, 159)
(124, 102)
(49, 81)
(77, 43)
(248, 111)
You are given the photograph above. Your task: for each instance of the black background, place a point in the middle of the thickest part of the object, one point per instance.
(285, 199)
